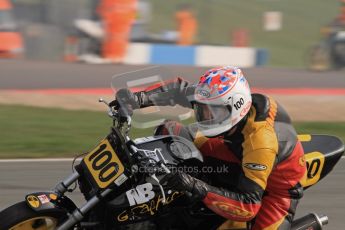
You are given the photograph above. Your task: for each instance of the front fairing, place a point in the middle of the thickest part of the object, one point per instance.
(145, 199)
(171, 149)
(143, 202)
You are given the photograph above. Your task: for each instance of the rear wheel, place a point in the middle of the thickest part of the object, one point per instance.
(22, 217)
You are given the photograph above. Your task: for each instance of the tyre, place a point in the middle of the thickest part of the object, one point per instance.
(22, 217)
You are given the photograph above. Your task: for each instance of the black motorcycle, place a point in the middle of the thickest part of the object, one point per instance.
(121, 180)
(329, 54)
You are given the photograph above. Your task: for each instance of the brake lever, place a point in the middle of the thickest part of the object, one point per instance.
(111, 112)
(166, 169)
(154, 177)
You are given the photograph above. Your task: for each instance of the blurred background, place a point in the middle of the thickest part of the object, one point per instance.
(57, 57)
(287, 31)
(63, 55)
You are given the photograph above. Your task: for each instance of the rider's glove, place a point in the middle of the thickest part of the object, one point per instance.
(183, 182)
(175, 92)
(125, 102)
(170, 93)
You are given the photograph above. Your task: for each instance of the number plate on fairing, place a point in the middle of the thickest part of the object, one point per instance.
(103, 164)
(321, 153)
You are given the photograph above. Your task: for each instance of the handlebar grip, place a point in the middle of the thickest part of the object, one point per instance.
(114, 103)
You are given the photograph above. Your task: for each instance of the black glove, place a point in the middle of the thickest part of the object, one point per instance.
(176, 92)
(183, 182)
(125, 102)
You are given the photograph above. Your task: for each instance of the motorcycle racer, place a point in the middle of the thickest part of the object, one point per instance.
(250, 133)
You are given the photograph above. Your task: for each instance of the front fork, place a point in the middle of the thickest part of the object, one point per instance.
(79, 213)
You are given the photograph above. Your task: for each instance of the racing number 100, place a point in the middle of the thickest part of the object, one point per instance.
(102, 162)
(315, 162)
(239, 103)
(313, 167)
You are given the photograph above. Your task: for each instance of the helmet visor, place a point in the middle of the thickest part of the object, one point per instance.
(209, 115)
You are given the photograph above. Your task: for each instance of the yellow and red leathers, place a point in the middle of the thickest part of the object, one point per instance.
(264, 158)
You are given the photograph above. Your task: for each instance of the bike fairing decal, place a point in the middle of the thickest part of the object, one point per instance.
(33, 201)
(43, 198)
(141, 194)
(315, 162)
(104, 164)
(150, 207)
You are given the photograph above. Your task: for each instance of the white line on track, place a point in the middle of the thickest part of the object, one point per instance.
(48, 160)
(36, 160)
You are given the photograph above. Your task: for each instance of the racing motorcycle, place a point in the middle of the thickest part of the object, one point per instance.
(328, 54)
(122, 181)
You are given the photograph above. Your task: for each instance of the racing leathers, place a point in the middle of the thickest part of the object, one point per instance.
(263, 157)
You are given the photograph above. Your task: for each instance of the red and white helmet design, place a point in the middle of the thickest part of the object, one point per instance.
(222, 99)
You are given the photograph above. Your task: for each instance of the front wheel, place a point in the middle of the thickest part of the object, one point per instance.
(22, 217)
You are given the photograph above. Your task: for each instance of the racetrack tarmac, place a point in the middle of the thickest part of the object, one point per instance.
(40, 75)
(20, 178)
(307, 96)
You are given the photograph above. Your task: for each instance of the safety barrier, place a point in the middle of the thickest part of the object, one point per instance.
(143, 53)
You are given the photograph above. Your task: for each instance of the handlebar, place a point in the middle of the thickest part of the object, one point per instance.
(154, 166)
(145, 161)
(113, 112)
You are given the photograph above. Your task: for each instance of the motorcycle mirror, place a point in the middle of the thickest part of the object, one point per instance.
(103, 101)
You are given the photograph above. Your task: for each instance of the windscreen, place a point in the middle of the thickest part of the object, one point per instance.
(147, 79)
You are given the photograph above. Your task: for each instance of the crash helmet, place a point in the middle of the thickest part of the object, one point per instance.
(222, 99)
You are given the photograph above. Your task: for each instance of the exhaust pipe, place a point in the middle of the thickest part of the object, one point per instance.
(310, 221)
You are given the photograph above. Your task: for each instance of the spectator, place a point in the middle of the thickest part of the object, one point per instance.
(186, 25)
(118, 17)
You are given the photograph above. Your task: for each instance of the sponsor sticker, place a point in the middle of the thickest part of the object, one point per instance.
(255, 166)
(104, 164)
(141, 194)
(120, 180)
(53, 196)
(43, 198)
(232, 210)
(246, 109)
(33, 201)
(204, 93)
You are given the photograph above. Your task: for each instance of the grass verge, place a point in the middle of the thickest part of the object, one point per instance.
(301, 23)
(39, 132)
